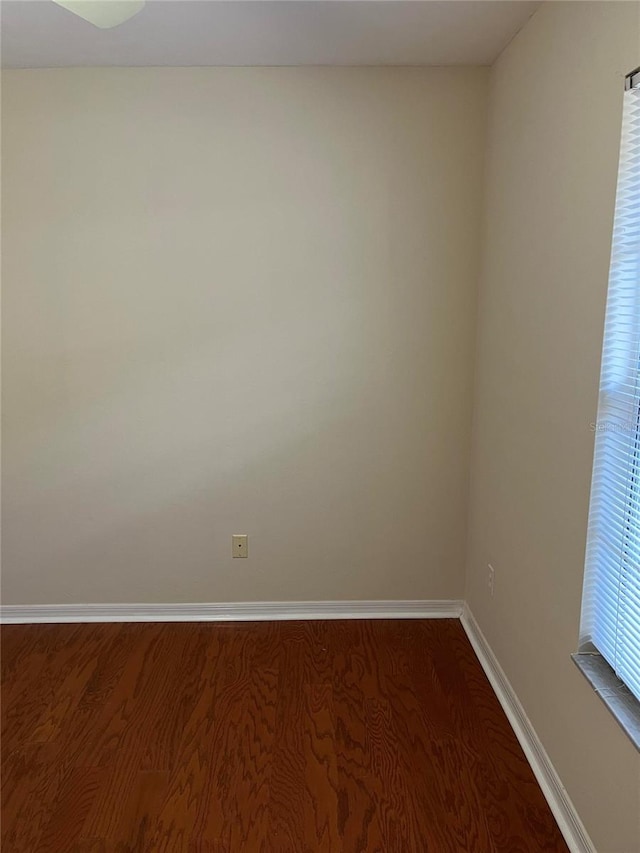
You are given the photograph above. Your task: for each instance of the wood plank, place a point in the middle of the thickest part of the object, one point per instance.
(285, 737)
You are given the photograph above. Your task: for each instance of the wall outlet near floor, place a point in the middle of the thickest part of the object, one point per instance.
(240, 545)
(491, 579)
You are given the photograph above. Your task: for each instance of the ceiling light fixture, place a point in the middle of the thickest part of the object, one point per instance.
(103, 13)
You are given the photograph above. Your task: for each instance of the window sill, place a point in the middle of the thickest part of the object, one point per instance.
(614, 693)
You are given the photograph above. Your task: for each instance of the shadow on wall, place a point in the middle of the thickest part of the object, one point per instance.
(150, 457)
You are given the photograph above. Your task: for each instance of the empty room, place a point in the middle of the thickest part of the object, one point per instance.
(320, 426)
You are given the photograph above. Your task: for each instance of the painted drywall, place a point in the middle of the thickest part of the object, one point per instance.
(238, 301)
(553, 139)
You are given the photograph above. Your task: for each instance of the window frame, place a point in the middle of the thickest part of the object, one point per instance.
(623, 703)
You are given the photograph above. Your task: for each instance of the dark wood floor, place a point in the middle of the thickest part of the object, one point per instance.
(296, 737)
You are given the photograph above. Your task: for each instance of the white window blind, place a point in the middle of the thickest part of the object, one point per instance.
(611, 602)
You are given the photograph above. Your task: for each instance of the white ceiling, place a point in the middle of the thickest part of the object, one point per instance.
(38, 33)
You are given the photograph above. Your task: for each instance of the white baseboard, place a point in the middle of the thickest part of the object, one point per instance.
(554, 791)
(249, 611)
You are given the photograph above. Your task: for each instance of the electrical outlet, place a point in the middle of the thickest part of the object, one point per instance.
(240, 545)
(491, 579)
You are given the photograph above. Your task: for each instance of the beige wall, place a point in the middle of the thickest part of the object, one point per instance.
(238, 301)
(555, 112)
